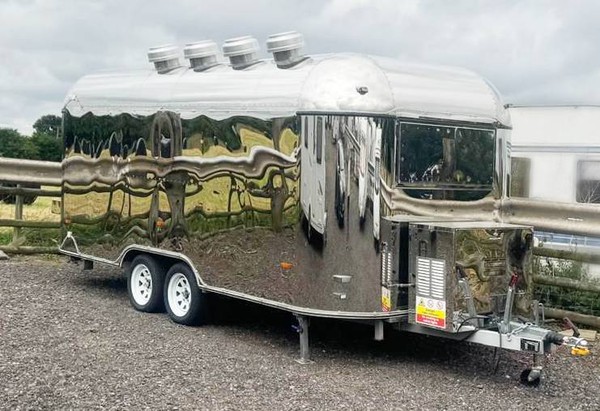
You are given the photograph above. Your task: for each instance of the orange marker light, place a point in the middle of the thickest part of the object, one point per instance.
(286, 266)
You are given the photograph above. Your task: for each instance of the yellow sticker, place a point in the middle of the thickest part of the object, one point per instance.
(386, 299)
(431, 312)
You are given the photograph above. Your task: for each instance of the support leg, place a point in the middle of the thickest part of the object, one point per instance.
(532, 376)
(378, 330)
(496, 359)
(302, 329)
(538, 364)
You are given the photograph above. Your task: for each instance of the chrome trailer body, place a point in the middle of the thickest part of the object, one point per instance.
(278, 186)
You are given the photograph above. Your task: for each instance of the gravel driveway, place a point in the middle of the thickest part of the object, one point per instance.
(70, 339)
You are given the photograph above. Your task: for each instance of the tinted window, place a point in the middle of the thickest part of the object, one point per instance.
(421, 152)
(441, 161)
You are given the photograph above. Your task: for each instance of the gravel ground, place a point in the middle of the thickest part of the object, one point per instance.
(70, 340)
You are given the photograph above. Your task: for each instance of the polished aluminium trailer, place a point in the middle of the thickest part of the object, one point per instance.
(285, 182)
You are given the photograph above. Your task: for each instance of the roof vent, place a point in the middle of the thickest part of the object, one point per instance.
(202, 55)
(286, 48)
(165, 58)
(242, 52)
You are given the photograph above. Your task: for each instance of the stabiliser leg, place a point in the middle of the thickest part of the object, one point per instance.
(302, 330)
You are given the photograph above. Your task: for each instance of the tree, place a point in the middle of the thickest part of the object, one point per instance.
(47, 138)
(49, 148)
(40, 146)
(48, 124)
(588, 191)
(588, 181)
(14, 145)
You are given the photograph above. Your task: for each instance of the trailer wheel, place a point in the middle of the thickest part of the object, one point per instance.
(145, 283)
(185, 302)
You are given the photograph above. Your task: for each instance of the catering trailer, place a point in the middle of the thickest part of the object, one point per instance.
(299, 182)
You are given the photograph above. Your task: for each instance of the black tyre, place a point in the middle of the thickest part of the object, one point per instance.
(12, 199)
(185, 302)
(145, 283)
(28, 200)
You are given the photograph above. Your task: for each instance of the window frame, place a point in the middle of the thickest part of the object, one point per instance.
(397, 155)
(579, 180)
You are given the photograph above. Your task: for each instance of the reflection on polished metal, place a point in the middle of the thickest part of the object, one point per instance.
(114, 171)
(241, 195)
(578, 218)
(197, 202)
(291, 189)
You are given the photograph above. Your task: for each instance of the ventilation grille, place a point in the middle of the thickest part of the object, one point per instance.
(431, 275)
(386, 265)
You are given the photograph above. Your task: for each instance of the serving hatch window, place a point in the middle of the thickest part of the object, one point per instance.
(445, 158)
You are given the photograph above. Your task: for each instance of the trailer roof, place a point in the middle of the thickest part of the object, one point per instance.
(555, 128)
(324, 83)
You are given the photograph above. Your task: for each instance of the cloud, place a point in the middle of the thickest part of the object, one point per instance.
(534, 52)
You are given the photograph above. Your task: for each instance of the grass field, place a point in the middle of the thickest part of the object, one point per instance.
(40, 210)
(214, 194)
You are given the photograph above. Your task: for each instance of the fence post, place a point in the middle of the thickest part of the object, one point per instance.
(18, 216)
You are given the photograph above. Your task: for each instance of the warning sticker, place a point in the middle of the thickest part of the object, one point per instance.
(386, 299)
(431, 312)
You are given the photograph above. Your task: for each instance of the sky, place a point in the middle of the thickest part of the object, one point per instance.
(534, 52)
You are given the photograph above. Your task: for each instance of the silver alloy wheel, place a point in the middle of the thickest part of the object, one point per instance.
(141, 284)
(179, 294)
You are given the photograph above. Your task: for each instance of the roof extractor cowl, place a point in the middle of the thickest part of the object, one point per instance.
(202, 55)
(286, 48)
(165, 58)
(242, 52)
